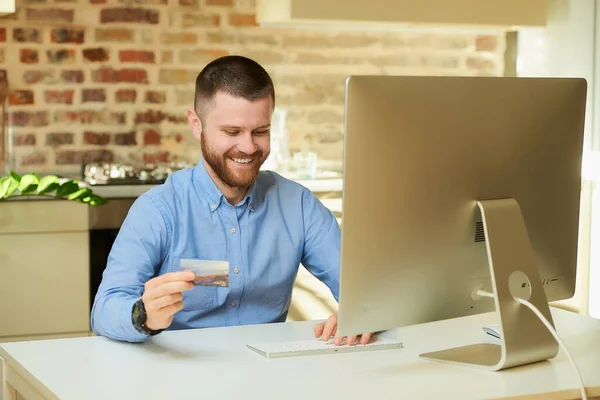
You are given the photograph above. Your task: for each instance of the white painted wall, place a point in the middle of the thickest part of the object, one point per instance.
(570, 47)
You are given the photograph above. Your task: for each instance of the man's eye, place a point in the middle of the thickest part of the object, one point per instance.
(231, 132)
(261, 132)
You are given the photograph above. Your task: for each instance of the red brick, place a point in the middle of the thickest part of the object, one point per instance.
(156, 158)
(93, 95)
(24, 139)
(114, 35)
(84, 157)
(98, 54)
(242, 20)
(125, 96)
(59, 139)
(2, 34)
(98, 1)
(54, 15)
(155, 97)
(47, 76)
(137, 56)
(27, 35)
(25, 118)
(90, 117)
(29, 56)
(71, 76)
(126, 139)
(219, 2)
(188, 3)
(35, 158)
(109, 75)
(150, 117)
(176, 76)
(59, 96)
(61, 56)
(96, 138)
(21, 97)
(486, 43)
(67, 35)
(151, 137)
(126, 14)
(195, 20)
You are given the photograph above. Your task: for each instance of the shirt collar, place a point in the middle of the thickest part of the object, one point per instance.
(205, 183)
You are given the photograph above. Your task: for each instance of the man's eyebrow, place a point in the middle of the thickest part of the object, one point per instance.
(230, 126)
(239, 127)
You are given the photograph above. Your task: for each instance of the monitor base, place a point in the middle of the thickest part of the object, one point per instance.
(514, 274)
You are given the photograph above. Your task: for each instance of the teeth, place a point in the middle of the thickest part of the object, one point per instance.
(242, 160)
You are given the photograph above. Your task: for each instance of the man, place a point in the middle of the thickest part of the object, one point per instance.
(225, 209)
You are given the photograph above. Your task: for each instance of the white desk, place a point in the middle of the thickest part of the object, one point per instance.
(215, 364)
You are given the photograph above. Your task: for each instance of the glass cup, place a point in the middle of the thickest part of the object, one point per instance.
(306, 164)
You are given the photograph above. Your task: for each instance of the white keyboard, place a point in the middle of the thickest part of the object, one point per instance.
(316, 346)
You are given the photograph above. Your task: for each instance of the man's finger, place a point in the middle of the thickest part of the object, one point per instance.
(164, 301)
(169, 311)
(338, 340)
(328, 331)
(351, 339)
(318, 328)
(169, 288)
(364, 339)
(187, 276)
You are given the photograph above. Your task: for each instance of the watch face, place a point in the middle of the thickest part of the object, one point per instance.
(136, 312)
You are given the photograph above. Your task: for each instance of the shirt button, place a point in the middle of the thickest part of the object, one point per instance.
(251, 206)
(232, 230)
(213, 206)
(233, 303)
(236, 270)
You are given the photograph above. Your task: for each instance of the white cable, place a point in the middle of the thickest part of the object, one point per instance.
(550, 328)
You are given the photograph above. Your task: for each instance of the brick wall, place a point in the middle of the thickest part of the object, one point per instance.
(110, 80)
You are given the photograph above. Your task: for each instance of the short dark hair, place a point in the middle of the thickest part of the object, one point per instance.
(235, 75)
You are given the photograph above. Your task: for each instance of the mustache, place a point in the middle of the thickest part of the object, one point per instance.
(238, 154)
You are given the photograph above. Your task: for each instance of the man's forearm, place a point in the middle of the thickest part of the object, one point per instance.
(111, 317)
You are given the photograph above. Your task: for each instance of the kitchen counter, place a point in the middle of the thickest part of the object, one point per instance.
(121, 191)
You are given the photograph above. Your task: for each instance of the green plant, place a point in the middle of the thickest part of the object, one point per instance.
(14, 185)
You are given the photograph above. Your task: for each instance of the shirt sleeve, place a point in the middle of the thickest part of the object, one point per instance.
(135, 258)
(321, 254)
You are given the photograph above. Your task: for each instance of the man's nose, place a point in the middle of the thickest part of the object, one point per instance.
(246, 144)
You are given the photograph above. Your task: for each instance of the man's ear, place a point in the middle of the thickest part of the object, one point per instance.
(195, 123)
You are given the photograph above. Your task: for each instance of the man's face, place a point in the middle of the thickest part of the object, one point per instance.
(236, 138)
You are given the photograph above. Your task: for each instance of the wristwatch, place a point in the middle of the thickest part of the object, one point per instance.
(138, 317)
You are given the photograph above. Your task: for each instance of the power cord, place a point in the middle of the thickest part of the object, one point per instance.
(550, 328)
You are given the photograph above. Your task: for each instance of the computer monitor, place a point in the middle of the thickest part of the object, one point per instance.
(423, 157)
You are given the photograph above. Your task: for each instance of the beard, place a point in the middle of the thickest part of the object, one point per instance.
(234, 179)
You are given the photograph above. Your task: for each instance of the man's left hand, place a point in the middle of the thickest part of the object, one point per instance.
(325, 330)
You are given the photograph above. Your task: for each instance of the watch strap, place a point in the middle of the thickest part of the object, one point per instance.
(138, 318)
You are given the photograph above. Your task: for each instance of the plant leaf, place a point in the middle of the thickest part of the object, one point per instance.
(3, 186)
(29, 183)
(79, 194)
(67, 188)
(8, 185)
(47, 184)
(94, 200)
(16, 176)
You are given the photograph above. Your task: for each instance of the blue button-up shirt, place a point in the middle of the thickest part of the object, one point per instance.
(278, 225)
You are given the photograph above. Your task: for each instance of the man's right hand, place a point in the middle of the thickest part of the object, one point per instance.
(163, 297)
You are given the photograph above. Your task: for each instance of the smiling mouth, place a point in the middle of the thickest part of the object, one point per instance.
(242, 160)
